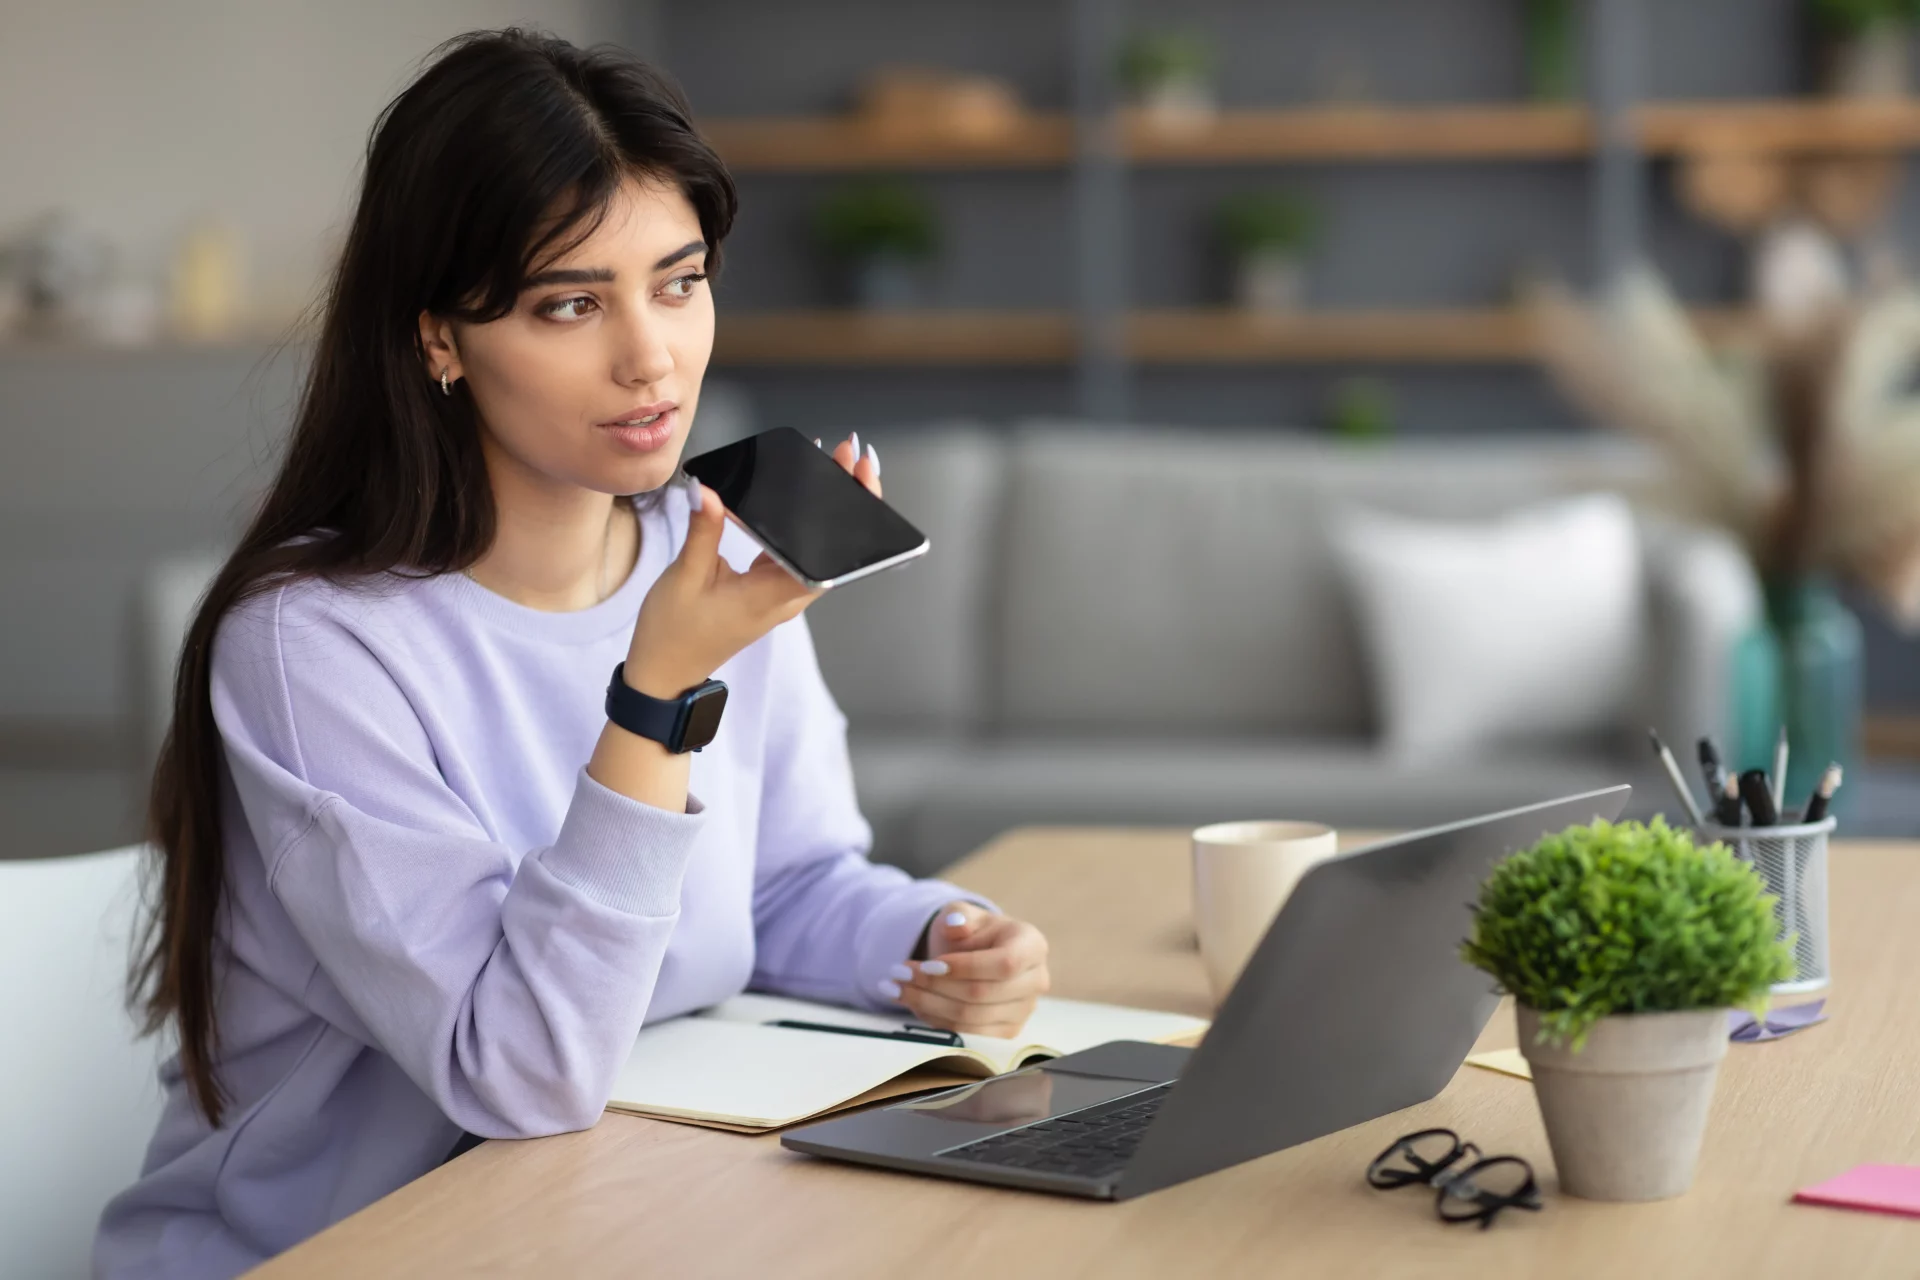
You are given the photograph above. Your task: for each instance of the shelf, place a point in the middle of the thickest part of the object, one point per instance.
(1779, 126)
(1221, 336)
(894, 337)
(1492, 131)
(1366, 133)
(1491, 335)
(822, 144)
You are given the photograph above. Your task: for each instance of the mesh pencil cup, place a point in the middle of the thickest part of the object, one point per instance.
(1792, 859)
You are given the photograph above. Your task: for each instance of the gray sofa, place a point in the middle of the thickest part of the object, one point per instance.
(1147, 626)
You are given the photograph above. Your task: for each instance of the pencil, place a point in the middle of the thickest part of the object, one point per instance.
(1780, 770)
(1672, 767)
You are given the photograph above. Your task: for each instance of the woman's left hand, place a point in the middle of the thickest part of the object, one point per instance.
(983, 972)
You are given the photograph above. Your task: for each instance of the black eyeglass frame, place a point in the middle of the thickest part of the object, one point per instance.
(1452, 1180)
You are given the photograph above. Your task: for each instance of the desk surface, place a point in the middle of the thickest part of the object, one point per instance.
(640, 1197)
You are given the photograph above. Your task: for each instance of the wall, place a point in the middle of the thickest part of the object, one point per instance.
(142, 118)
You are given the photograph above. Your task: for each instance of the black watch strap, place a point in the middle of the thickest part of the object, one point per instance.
(682, 724)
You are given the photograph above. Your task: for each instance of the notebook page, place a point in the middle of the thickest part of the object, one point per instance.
(711, 1068)
(1065, 1026)
(1068, 1026)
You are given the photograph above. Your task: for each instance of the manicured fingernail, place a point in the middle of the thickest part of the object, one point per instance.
(936, 968)
(900, 973)
(817, 444)
(873, 456)
(855, 438)
(955, 919)
(889, 989)
(694, 496)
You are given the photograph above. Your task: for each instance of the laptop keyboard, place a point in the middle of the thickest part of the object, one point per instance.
(1091, 1143)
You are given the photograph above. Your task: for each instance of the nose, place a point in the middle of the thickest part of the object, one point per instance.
(640, 355)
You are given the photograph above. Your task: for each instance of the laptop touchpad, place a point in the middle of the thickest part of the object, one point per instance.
(1021, 1097)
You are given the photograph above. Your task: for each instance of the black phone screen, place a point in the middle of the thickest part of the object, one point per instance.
(803, 506)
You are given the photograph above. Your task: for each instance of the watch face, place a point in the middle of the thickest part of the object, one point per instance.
(703, 716)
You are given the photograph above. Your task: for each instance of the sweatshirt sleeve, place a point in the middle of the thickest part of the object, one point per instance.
(828, 923)
(510, 994)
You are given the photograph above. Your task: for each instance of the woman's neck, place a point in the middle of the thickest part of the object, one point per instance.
(556, 548)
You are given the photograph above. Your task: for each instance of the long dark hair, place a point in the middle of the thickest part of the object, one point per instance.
(501, 156)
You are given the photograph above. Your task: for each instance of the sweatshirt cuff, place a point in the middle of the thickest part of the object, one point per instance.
(894, 931)
(622, 853)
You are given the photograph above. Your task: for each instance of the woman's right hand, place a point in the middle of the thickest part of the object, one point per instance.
(700, 612)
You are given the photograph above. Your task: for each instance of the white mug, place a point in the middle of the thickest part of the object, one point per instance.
(1242, 874)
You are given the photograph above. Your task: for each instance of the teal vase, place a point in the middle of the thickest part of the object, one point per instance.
(1800, 666)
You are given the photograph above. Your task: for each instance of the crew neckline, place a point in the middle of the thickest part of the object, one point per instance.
(595, 622)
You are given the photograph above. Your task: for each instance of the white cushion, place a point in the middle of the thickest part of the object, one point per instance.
(1523, 629)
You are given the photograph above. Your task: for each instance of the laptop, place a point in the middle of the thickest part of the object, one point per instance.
(1356, 1003)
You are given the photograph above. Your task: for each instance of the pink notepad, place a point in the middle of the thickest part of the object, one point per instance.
(1883, 1188)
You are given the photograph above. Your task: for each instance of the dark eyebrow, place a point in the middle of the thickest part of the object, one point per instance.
(602, 275)
(693, 246)
(588, 275)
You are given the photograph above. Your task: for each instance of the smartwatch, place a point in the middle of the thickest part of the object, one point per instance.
(682, 724)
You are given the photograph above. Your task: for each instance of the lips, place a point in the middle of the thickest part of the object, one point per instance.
(638, 416)
(645, 429)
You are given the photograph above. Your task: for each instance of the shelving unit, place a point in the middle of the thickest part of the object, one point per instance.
(1097, 144)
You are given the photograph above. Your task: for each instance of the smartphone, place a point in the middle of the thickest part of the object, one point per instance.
(804, 508)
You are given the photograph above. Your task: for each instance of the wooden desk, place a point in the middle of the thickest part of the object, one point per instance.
(637, 1197)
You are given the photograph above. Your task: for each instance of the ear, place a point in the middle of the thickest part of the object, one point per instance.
(438, 347)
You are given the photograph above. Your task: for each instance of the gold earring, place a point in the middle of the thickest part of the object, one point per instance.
(445, 389)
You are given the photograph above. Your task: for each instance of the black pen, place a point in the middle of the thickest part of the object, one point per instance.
(1822, 794)
(1759, 797)
(1725, 797)
(912, 1031)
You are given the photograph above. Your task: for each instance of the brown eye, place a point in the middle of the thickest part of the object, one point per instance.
(673, 290)
(568, 308)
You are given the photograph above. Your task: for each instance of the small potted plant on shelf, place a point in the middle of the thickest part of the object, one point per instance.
(1265, 234)
(1624, 946)
(1863, 45)
(883, 233)
(1168, 76)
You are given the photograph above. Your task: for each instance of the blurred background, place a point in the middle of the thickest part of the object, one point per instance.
(1375, 411)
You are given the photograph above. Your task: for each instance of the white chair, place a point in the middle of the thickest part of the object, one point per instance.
(78, 1093)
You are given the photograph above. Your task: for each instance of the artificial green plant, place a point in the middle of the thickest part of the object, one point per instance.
(1251, 222)
(877, 217)
(1626, 917)
(1851, 17)
(1150, 60)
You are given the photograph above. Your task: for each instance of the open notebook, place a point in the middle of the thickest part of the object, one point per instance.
(725, 1068)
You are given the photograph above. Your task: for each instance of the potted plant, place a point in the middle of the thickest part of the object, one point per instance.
(1624, 945)
(1264, 234)
(1863, 45)
(1168, 75)
(883, 232)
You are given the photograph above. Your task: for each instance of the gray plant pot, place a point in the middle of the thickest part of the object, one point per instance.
(1270, 281)
(887, 282)
(1626, 1114)
(1871, 64)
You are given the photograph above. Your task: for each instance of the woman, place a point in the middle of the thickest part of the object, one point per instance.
(396, 911)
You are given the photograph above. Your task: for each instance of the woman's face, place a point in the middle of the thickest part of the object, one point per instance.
(592, 379)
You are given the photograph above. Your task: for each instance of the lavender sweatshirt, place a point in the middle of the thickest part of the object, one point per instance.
(438, 922)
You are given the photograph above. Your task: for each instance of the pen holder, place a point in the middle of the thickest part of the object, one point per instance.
(1792, 859)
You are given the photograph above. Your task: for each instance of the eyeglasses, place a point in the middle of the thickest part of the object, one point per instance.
(1469, 1186)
